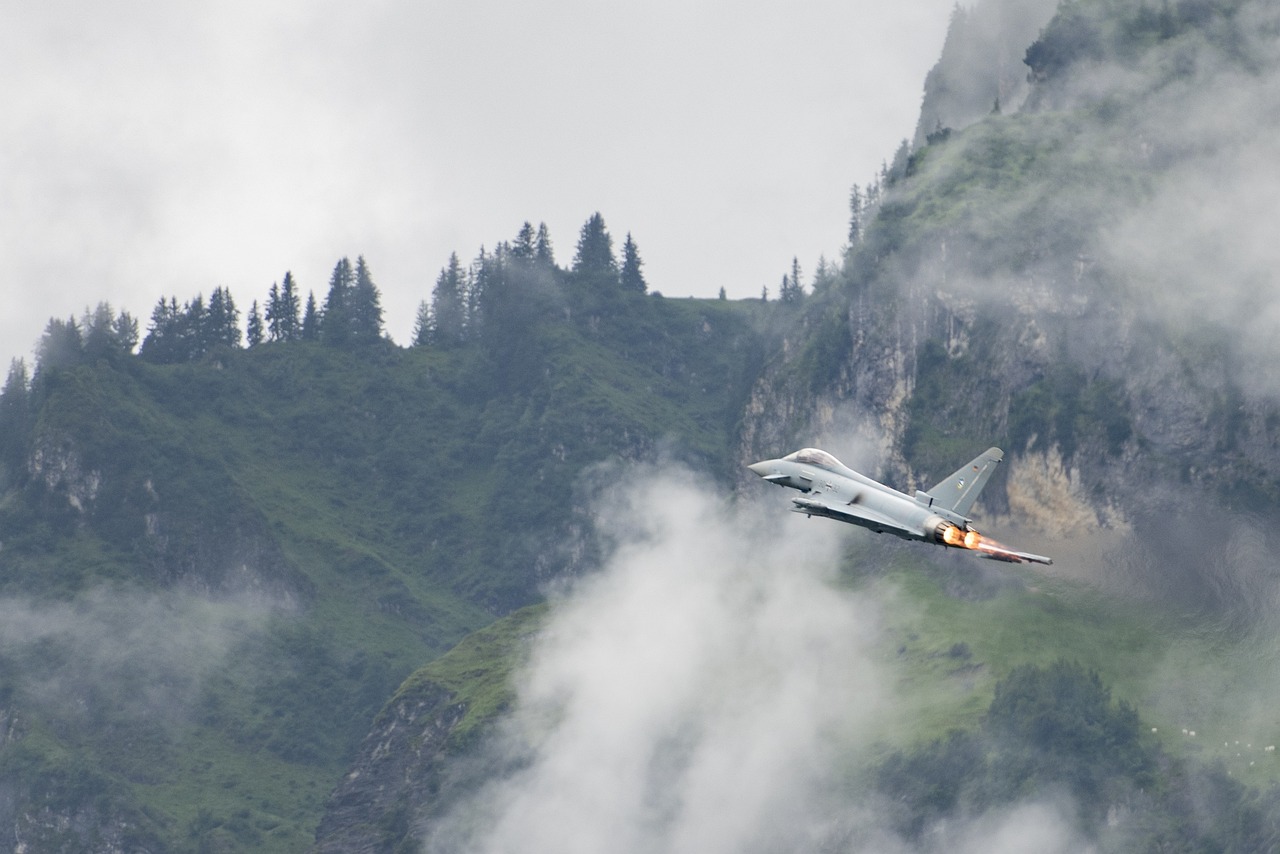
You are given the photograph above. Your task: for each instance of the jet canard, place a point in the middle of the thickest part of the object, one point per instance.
(938, 515)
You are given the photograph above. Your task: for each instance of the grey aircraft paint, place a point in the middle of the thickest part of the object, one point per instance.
(938, 515)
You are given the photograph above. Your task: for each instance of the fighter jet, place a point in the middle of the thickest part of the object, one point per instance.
(936, 516)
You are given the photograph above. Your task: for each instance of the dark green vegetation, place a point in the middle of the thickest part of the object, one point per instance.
(290, 529)
(218, 563)
(1053, 731)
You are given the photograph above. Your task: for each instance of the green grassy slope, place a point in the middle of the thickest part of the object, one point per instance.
(367, 510)
(1183, 673)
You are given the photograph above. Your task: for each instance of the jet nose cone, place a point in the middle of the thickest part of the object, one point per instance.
(761, 468)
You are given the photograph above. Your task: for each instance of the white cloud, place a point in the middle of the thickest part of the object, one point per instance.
(156, 149)
(698, 694)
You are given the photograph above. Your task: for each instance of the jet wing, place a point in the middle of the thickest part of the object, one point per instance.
(854, 515)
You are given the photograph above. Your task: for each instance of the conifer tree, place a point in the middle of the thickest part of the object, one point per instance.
(253, 332)
(193, 329)
(15, 415)
(273, 313)
(792, 291)
(594, 257)
(449, 305)
(723, 295)
(161, 342)
(125, 328)
(366, 307)
(335, 324)
(474, 297)
(222, 322)
(99, 332)
(491, 296)
(290, 329)
(824, 276)
(422, 323)
(311, 318)
(542, 252)
(632, 278)
(855, 215)
(61, 345)
(524, 247)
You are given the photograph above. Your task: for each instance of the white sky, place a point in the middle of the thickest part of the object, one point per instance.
(152, 148)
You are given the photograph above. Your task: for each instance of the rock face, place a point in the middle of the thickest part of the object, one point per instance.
(375, 808)
(990, 300)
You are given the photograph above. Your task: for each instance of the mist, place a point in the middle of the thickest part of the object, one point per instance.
(117, 653)
(713, 687)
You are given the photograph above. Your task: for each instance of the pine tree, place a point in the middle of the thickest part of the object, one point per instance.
(542, 252)
(475, 295)
(162, 338)
(311, 319)
(366, 307)
(290, 329)
(193, 330)
(824, 276)
(631, 278)
(594, 258)
(274, 311)
(61, 345)
(449, 307)
(723, 295)
(15, 420)
(422, 323)
(99, 332)
(125, 328)
(856, 204)
(254, 329)
(524, 247)
(222, 322)
(792, 289)
(335, 325)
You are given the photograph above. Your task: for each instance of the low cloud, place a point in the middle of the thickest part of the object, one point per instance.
(690, 695)
(710, 689)
(121, 654)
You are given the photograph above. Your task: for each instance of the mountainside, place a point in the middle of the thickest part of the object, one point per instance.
(510, 588)
(1075, 269)
(215, 572)
(1084, 283)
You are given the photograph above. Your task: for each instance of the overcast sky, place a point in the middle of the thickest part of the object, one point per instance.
(151, 148)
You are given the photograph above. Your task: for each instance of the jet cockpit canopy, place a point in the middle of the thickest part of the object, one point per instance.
(815, 457)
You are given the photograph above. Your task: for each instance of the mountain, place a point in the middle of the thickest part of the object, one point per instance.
(510, 587)
(215, 572)
(1082, 282)
(1071, 262)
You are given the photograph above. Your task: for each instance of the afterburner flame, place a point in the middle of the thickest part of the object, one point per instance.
(962, 539)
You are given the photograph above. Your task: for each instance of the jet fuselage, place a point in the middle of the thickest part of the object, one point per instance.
(833, 490)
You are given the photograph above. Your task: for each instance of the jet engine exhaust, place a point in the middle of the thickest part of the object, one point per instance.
(957, 537)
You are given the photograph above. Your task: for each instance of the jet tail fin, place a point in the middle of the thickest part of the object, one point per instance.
(959, 491)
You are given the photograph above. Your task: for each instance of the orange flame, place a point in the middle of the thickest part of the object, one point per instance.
(962, 539)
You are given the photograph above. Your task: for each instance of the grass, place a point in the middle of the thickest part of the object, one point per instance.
(397, 500)
(1180, 673)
